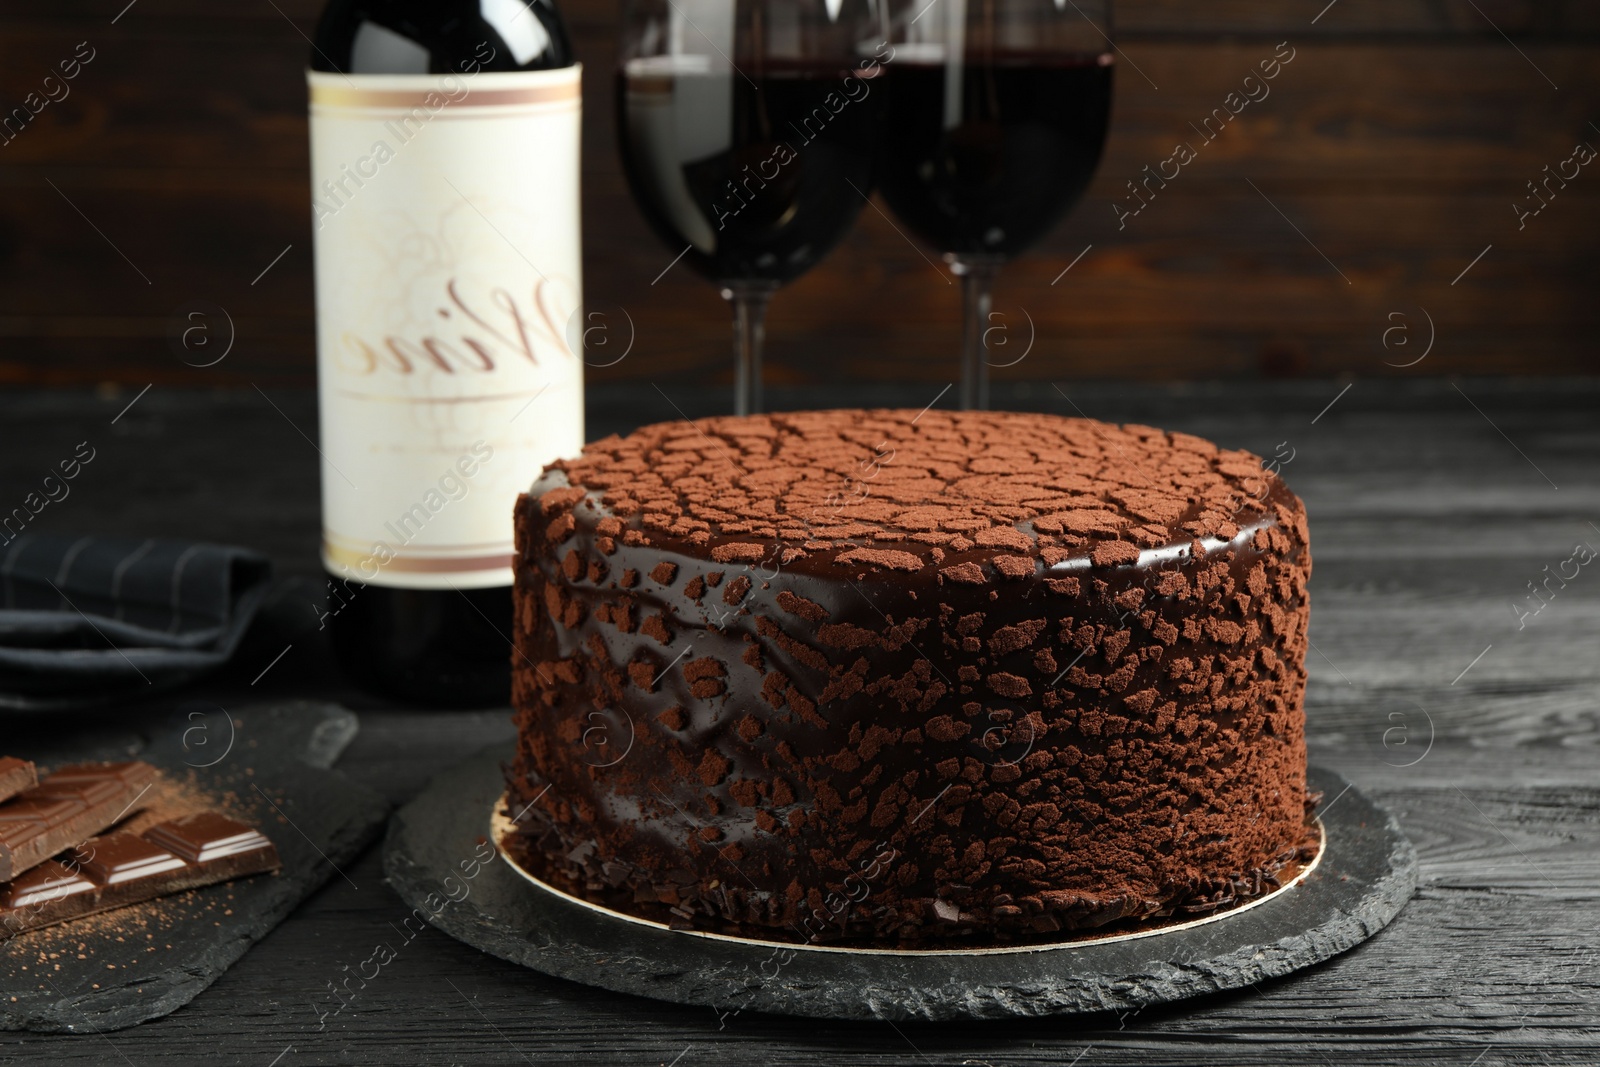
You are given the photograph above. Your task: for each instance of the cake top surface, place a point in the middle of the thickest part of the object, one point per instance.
(907, 490)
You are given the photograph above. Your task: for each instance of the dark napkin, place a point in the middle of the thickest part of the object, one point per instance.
(85, 620)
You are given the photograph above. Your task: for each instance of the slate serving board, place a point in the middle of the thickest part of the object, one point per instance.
(1367, 872)
(267, 765)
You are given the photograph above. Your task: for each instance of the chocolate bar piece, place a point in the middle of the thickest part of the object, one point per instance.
(15, 776)
(121, 868)
(65, 809)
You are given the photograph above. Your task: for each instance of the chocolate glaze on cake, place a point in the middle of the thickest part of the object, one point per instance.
(900, 675)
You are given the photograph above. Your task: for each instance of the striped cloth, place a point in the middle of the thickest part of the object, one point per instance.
(86, 620)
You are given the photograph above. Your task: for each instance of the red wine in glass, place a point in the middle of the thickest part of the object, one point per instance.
(748, 136)
(997, 113)
(1028, 141)
(771, 187)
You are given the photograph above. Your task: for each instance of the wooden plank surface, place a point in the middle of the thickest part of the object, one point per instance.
(1428, 518)
(1395, 143)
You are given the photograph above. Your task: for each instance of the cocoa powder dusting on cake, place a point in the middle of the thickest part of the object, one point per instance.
(1055, 667)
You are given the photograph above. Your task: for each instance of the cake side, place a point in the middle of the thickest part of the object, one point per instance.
(1001, 690)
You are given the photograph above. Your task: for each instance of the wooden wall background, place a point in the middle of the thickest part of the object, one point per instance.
(1397, 141)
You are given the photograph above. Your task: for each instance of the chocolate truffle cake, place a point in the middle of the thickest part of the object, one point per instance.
(898, 675)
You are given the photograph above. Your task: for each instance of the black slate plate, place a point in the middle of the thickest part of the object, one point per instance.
(1366, 874)
(270, 763)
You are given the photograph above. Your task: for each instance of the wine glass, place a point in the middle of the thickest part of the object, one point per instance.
(997, 112)
(748, 131)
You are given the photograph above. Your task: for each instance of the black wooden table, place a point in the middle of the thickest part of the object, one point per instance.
(1433, 506)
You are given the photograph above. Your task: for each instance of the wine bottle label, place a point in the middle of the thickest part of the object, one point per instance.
(447, 263)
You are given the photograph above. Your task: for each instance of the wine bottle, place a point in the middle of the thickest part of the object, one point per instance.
(444, 169)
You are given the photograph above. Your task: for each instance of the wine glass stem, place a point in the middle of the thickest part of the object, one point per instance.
(977, 299)
(749, 300)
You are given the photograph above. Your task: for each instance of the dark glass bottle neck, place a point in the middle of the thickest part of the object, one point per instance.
(439, 37)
